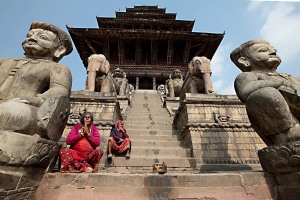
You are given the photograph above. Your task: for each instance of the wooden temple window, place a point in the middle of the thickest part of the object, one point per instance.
(162, 51)
(179, 47)
(113, 51)
(129, 45)
(146, 52)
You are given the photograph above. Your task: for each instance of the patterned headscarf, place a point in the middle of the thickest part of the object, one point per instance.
(117, 123)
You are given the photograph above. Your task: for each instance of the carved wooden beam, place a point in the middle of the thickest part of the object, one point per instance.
(88, 43)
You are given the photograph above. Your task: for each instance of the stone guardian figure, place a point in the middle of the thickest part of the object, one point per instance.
(174, 84)
(272, 99)
(35, 90)
(120, 82)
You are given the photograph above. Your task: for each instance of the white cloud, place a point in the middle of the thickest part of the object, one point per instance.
(282, 29)
(217, 63)
(223, 87)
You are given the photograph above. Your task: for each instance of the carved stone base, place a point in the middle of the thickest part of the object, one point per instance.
(25, 150)
(23, 161)
(19, 182)
(283, 158)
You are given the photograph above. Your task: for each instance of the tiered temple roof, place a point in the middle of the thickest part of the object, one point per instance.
(145, 41)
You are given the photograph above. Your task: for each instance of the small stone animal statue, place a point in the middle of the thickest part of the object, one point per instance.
(99, 78)
(120, 82)
(174, 84)
(198, 78)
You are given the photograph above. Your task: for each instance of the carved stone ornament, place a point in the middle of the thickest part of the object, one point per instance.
(24, 150)
(283, 158)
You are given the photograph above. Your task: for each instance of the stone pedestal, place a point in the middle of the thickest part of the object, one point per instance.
(124, 101)
(24, 160)
(218, 131)
(283, 161)
(172, 104)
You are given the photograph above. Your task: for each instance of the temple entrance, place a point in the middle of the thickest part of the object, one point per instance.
(146, 83)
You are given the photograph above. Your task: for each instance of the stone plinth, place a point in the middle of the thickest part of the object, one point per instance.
(217, 129)
(24, 160)
(221, 186)
(124, 101)
(172, 104)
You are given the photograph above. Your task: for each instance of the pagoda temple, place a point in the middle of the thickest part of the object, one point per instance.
(146, 42)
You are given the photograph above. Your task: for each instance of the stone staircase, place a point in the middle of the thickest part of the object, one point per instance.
(153, 139)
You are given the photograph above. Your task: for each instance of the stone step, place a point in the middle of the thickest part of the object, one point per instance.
(154, 132)
(152, 151)
(148, 127)
(148, 161)
(150, 124)
(155, 138)
(119, 186)
(156, 144)
(146, 170)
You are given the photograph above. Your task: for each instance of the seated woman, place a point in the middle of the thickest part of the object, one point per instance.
(83, 139)
(118, 140)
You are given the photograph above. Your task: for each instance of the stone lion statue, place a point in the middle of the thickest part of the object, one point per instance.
(99, 78)
(198, 78)
(174, 84)
(120, 82)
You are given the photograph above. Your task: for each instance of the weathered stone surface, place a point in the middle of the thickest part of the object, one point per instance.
(283, 158)
(271, 98)
(26, 150)
(218, 131)
(120, 82)
(172, 104)
(251, 185)
(198, 78)
(174, 84)
(34, 108)
(99, 78)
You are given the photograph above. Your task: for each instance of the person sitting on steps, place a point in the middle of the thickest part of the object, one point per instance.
(118, 140)
(83, 155)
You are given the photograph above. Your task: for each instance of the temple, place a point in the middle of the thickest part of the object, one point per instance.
(146, 42)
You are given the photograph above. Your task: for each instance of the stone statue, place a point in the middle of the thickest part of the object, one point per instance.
(198, 79)
(120, 82)
(272, 99)
(131, 89)
(161, 89)
(99, 78)
(174, 84)
(35, 90)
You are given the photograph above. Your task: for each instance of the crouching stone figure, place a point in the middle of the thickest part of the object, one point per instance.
(174, 84)
(272, 102)
(34, 96)
(120, 82)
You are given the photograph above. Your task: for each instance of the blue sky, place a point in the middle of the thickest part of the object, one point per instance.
(276, 21)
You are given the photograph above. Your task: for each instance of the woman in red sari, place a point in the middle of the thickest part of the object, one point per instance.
(83, 139)
(118, 140)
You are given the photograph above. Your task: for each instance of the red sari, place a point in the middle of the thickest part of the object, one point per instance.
(118, 146)
(82, 155)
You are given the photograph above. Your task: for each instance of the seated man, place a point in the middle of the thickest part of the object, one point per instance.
(118, 140)
(35, 90)
(272, 99)
(83, 139)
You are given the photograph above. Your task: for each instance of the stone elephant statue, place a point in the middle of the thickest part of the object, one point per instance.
(99, 78)
(120, 82)
(174, 84)
(198, 78)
